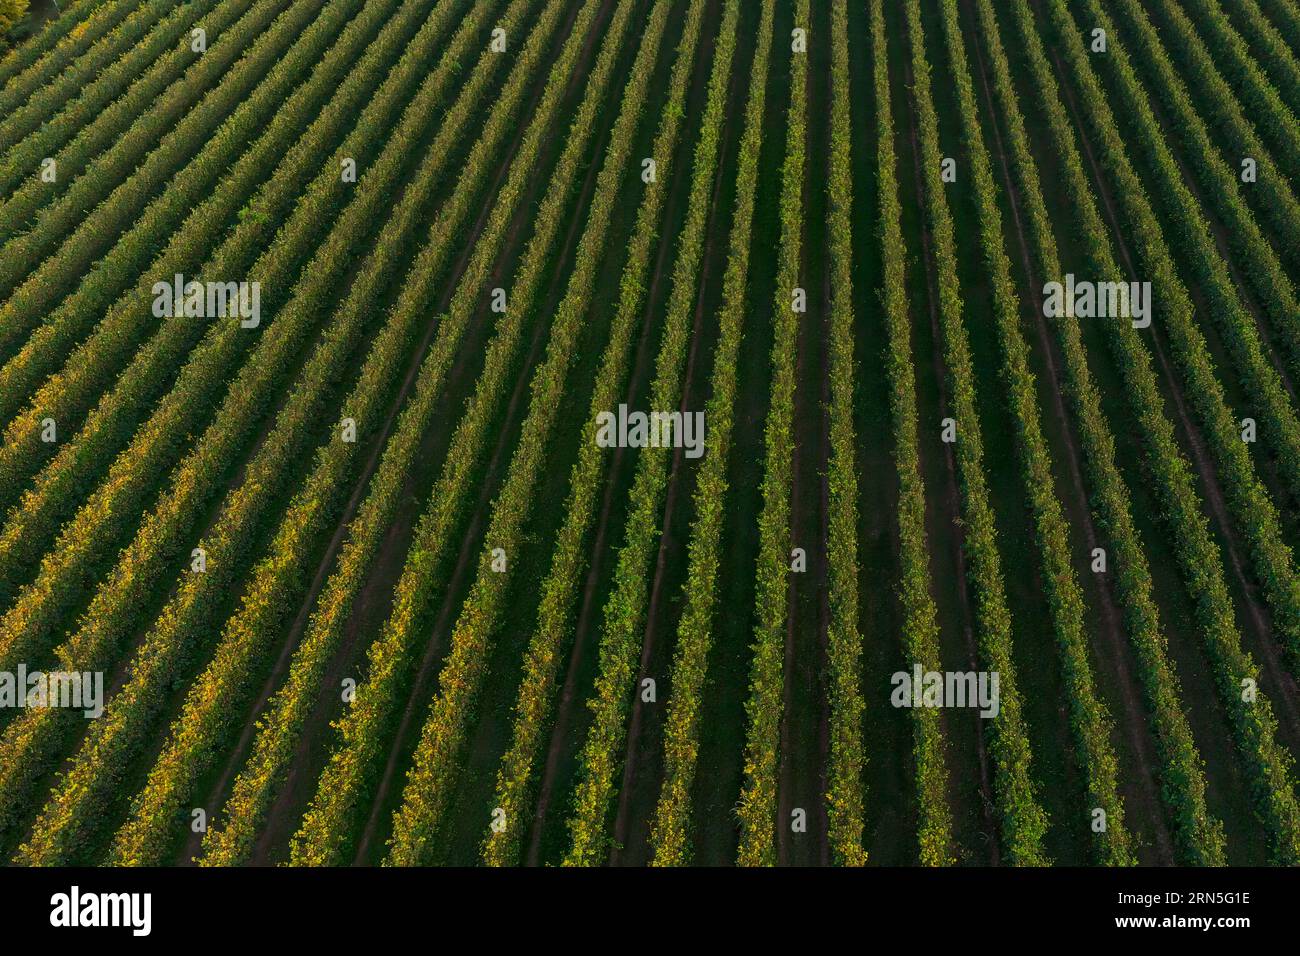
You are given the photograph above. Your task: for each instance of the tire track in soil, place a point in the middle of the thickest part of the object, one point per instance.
(636, 758)
(951, 503)
(635, 764)
(380, 441)
(804, 678)
(1256, 615)
(581, 639)
(788, 780)
(583, 624)
(583, 628)
(1117, 650)
(822, 672)
(421, 691)
(390, 555)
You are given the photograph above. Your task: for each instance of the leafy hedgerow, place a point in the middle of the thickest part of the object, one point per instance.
(1268, 109)
(1186, 222)
(1253, 510)
(758, 797)
(1200, 835)
(920, 630)
(279, 578)
(62, 107)
(90, 125)
(110, 310)
(232, 164)
(103, 516)
(1285, 17)
(61, 45)
(259, 781)
(670, 835)
(1023, 820)
(23, 56)
(1218, 170)
(106, 193)
(541, 665)
(430, 780)
(161, 540)
(1199, 557)
(325, 833)
(844, 810)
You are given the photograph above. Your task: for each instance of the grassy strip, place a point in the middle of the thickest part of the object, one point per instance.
(1022, 818)
(326, 834)
(533, 708)
(758, 796)
(1200, 835)
(162, 538)
(186, 621)
(258, 783)
(433, 776)
(70, 99)
(106, 193)
(279, 579)
(920, 624)
(1255, 513)
(670, 836)
(62, 487)
(1199, 558)
(844, 788)
(1221, 182)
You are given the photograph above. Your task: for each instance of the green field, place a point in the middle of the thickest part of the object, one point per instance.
(522, 432)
